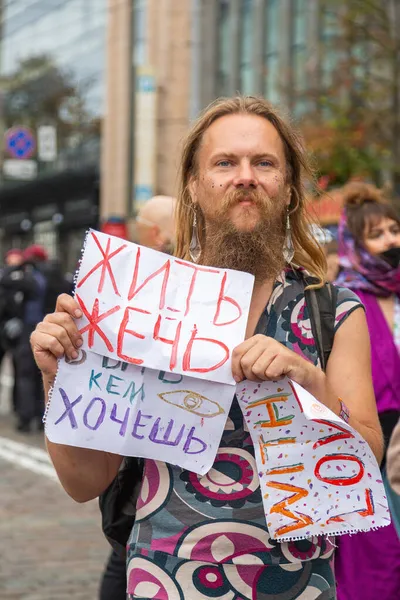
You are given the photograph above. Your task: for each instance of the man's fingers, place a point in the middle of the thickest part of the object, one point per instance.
(278, 368)
(262, 364)
(66, 303)
(60, 334)
(237, 355)
(249, 359)
(64, 320)
(43, 342)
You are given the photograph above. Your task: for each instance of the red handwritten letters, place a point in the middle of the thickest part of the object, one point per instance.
(147, 308)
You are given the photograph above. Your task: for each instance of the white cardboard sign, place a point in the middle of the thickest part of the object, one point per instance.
(109, 405)
(150, 309)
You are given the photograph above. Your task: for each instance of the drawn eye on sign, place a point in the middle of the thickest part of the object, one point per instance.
(77, 361)
(193, 402)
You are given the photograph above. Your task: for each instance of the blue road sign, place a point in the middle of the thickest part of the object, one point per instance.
(20, 142)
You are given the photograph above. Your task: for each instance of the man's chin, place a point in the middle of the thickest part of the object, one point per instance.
(245, 224)
(245, 217)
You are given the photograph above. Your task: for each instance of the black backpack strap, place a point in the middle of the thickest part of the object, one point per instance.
(321, 304)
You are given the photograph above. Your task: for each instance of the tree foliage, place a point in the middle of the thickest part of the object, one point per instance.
(353, 121)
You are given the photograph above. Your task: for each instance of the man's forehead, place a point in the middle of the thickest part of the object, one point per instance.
(238, 132)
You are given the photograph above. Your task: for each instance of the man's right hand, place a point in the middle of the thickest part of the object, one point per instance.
(57, 335)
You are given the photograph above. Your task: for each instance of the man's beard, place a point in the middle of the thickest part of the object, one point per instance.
(259, 251)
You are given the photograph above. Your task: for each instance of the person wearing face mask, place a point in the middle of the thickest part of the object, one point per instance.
(155, 224)
(367, 565)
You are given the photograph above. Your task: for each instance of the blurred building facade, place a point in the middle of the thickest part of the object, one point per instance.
(181, 55)
(52, 84)
(107, 90)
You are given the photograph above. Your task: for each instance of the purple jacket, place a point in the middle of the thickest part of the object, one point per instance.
(384, 356)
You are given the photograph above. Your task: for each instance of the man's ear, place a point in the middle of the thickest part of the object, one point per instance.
(156, 235)
(289, 195)
(192, 187)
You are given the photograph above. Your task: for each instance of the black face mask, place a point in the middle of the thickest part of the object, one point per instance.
(392, 257)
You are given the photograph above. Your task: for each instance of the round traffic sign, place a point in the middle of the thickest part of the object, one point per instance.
(20, 142)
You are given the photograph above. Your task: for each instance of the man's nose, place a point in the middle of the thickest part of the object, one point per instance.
(245, 177)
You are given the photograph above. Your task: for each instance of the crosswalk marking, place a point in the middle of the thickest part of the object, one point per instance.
(28, 457)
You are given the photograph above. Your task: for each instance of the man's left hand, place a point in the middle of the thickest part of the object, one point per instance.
(261, 358)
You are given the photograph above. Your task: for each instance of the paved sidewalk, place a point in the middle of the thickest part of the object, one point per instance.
(50, 547)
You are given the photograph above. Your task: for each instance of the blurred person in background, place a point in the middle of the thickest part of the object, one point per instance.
(56, 283)
(29, 391)
(368, 564)
(154, 224)
(154, 228)
(325, 238)
(14, 258)
(332, 260)
(11, 306)
(393, 473)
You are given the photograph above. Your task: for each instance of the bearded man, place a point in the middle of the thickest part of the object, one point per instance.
(240, 206)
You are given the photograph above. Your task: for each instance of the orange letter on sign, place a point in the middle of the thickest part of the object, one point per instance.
(273, 413)
(299, 520)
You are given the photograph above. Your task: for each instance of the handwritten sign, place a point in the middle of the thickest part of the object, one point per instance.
(109, 405)
(150, 309)
(317, 474)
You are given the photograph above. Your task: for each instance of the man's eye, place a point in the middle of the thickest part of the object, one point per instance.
(224, 163)
(265, 163)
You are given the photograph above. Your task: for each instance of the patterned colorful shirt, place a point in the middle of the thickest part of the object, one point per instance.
(198, 537)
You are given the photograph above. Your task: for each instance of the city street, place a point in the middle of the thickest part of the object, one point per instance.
(50, 547)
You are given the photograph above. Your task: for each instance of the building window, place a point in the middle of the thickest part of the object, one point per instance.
(271, 51)
(330, 34)
(224, 47)
(246, 47)
(299, 56)
(140, 17)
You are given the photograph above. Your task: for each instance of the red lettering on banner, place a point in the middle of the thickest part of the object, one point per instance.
(104, 264)
(299, 520)
(296, 396)
(369, 500)
(346, 481)
(174, 343)
(196, 269)
(133, 290)
(343, 435)
(94, 319)
(223, 298)
(121, 333)
(368, 512)
(186, 366)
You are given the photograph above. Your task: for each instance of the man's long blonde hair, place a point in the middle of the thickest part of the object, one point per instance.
(308, 253)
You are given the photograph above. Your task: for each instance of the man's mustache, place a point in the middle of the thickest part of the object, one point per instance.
(234, 198)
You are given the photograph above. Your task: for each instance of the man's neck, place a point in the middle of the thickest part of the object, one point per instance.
(259, 300)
